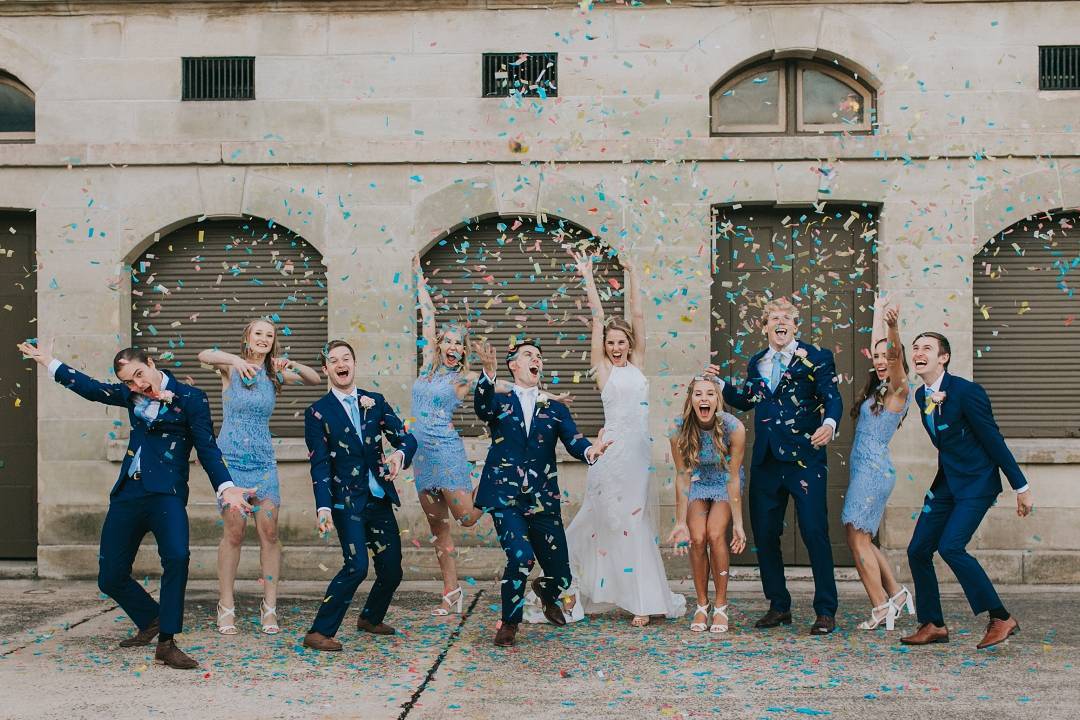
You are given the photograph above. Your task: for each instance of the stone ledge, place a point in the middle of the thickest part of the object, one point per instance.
(1046, 451)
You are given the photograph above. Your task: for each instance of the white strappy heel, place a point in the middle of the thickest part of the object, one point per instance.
(226, 620)
(897, 606)
(719, 627)
(454, 599)
(877, 617)
(265, 612)
(700, 626)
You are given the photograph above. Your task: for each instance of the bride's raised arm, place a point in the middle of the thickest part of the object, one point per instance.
(637, 310)
(598, 357)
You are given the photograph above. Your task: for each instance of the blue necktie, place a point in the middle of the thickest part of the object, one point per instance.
(354, 414)
(777, 371)
(930, 420)
(142, 409)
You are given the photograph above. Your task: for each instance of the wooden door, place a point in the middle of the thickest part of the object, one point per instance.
(18, 388)
(825, 261)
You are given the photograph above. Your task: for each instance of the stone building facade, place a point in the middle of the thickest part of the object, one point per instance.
(368, 136)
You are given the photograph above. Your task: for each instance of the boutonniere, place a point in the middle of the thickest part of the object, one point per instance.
(936, 400)
(366, 402)
(542, 400)
(801, 354)
(165, 397)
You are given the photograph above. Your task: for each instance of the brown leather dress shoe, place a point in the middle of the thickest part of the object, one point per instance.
(552, 611)
(362, 623)
(998, 631)
(143, 637)
(168, 654)
(926, 634)
(504, 636)
(823, 625)
(318, 641)
(773, 618)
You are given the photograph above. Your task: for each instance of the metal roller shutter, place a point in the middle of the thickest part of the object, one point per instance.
(512, 276)
(199, 286)
(1027, 326)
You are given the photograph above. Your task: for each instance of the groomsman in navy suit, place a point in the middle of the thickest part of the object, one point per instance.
(971, 457)
(520, 485)
(354, 489)
(791, 387)
(168, 419)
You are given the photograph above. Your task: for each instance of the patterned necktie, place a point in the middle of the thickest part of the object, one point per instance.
(354, 414)
(142, 410)
(777, 371)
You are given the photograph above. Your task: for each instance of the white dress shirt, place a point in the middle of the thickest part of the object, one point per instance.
(345, 406)
(929, 390)
(527, 397)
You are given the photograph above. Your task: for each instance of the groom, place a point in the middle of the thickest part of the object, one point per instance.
(971, 457)
(168, 419)
(791, 387)
(354, 490)
(519, 485)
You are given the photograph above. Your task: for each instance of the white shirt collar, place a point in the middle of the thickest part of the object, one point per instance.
(164, 380)
(528, 392)
(788, 349)
(341, 395)
(929, 389)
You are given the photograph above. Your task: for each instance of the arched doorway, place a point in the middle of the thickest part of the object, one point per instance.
(826, 260)
(198, 286)
(511, 276)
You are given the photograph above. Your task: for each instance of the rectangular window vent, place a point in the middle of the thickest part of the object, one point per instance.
(1059, 67)
(527, 74)
(218, 78)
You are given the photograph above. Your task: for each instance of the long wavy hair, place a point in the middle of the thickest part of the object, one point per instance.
(876, 387)
(618, 323)
(463, 365)
(268, 361)
(688, 435)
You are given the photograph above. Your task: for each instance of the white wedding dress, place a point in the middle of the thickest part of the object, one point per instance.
(613, 543)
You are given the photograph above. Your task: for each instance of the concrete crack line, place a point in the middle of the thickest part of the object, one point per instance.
(39, 632)
(407, 707)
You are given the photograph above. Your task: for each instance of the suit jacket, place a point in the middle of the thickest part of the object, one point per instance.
(181, 424)
(341, 458)
(785, 419)
(972, 454)
(518, 464)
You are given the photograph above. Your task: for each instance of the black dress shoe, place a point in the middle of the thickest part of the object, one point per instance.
(143, 637)
(552, 611)
(773, 618)
(168, 654)
(504, 636)
(824, 625)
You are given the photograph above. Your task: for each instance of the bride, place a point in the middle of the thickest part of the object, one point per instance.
(613, 545)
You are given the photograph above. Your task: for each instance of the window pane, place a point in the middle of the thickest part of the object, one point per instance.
(754, 101)
(827, 101)
(16, 110)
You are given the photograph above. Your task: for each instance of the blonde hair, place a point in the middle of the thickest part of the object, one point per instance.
(688, 435)
(781, 304)
(462, 366)
(268, 361)
(624, 327)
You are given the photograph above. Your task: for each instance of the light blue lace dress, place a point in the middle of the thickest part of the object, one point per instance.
(440, 462)
(709, 480)
(244, 439)
(872, 474)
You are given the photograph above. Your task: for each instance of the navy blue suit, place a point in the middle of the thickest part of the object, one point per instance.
(972, 454)
(157, 501)
(520, 488)
(341, 459)
(785, 463)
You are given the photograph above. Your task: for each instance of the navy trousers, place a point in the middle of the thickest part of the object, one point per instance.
(374, 528)
(133, 512)
(771, 483)
(946, 528)
(526, 539)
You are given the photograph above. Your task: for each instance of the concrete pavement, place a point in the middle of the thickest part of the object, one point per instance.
(58, 659)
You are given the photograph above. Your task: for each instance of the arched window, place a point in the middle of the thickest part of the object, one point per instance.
(792, 97)
(16, 110)
(512, 276)
(1027, 326)
(198, 286)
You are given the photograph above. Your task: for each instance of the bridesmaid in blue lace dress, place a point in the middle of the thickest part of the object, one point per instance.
(879, 410)
(250, 383)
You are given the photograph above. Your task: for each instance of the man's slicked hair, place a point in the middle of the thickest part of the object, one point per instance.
(128, 355)
(331, 346)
